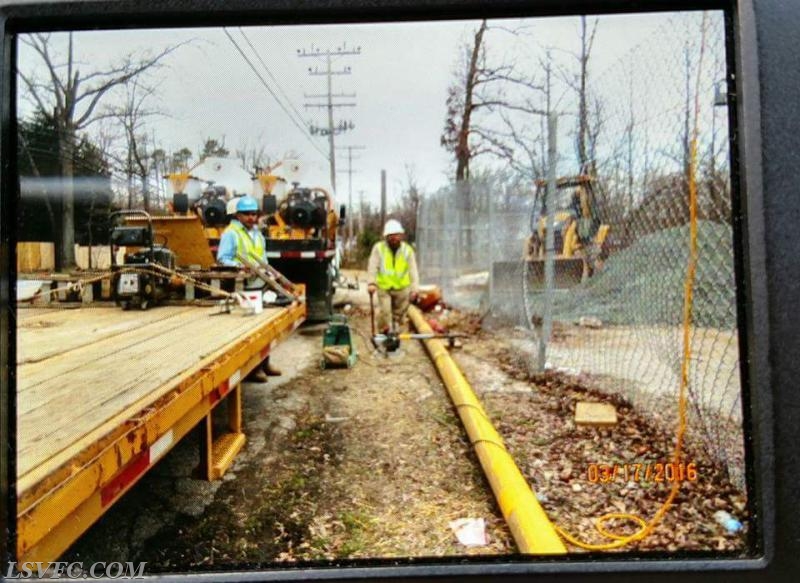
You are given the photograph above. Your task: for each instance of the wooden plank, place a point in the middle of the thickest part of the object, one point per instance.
(46, 333)
(595, 414)
(96, 380)
(35, 256)
(100, 257)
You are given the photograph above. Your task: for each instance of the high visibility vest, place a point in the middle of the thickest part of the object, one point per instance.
(245, 246)
(393, 270)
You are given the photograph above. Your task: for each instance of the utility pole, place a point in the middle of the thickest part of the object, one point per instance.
(383, 198)
(350, 173)
(329, 55)
(360, 211)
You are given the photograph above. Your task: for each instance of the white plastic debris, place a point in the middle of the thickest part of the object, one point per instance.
(470, 532)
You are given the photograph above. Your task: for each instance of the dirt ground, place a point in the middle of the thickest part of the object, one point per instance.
(372, 462)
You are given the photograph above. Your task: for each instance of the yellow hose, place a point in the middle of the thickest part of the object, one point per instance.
(531, 528)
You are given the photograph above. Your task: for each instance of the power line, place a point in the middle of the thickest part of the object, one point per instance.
(271, 76)
(269, 89)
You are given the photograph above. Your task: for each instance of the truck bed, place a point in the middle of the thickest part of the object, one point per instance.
(82, 374)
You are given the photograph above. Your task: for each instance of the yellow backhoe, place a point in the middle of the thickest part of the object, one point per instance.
(579, 234)
(579, 244)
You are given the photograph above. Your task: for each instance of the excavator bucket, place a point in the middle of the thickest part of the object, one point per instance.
(184, 236)
(567, 273)
(510, 275)
(516, 285)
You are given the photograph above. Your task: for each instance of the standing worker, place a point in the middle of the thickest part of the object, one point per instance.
(242, 238)
(392, 272)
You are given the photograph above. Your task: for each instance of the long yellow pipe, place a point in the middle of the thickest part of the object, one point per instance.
(532, 530)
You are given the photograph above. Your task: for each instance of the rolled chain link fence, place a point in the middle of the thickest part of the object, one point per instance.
(621, 330)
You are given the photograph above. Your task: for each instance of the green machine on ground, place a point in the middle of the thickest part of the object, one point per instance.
(338, 348)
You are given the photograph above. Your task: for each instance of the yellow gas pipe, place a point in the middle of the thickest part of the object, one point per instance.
(532, 530)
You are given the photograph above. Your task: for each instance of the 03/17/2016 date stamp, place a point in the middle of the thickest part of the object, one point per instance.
(642, 472)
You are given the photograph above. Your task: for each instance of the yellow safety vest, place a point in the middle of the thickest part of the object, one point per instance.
(393, 270)
(245, 246)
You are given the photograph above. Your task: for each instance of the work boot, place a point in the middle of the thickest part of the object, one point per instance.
(257, 376)
(271, 371)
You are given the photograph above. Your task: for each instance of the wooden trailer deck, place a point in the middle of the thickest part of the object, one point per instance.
(103, 393)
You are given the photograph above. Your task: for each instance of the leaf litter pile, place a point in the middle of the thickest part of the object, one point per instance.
(376, 464)
(535, 415)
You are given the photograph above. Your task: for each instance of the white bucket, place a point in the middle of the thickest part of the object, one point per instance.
(255, 299)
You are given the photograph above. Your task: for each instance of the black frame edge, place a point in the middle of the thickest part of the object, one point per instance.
(764, 132)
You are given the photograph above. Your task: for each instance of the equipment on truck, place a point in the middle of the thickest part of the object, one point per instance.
(203, 192)
(302, 236)
(145, 275)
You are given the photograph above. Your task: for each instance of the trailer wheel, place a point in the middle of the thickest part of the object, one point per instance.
(125, 306)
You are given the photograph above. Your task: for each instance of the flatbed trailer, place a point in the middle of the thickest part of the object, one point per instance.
(103, 394)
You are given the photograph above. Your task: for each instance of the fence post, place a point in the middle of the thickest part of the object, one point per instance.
(490, 241)
(549, 238)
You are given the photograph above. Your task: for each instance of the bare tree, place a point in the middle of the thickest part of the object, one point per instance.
(481, 87)
(587, 129)
(73, 98)
(587, 40)
(179, 161)
(213, 147)
(253, 156)
(405, 209)
(132, 116)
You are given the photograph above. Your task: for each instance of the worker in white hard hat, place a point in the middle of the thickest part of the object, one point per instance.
(392, 273)
(243, 239)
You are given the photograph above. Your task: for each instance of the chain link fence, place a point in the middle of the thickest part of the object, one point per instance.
(620, 326)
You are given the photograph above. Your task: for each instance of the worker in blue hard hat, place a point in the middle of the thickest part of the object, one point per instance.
(392, 273)
(243, 239)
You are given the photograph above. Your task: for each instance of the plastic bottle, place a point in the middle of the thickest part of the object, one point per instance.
(728, 522)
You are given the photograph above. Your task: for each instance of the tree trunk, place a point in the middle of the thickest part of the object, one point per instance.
(66, 150)
(463, 154)
(583, 114)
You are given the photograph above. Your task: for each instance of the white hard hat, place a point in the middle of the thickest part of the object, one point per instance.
(230, 206)
(393, 227)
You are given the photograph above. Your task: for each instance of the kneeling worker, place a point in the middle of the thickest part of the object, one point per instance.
(242, 238)
(392, 272)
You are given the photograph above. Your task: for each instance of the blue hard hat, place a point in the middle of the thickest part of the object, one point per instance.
(246, 204)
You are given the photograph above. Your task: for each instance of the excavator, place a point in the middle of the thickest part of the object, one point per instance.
(579, 234)
(579, 239)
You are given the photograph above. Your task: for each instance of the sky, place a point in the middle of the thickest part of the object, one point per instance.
(205, 88)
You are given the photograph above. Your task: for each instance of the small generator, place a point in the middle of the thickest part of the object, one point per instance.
(136, 282)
